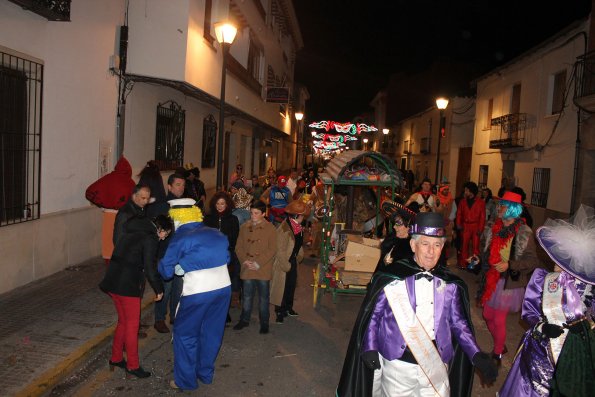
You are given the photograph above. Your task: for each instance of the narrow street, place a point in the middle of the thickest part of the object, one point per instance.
(302, 357)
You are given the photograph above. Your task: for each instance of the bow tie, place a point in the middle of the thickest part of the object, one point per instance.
(421, 275)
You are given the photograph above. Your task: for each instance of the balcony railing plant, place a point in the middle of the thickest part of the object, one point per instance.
(509, 132)
(53, 10)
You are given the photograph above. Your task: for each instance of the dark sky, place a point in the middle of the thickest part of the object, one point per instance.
(352, 47)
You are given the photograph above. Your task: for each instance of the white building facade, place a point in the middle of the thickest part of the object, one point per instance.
(526, 125)
(417, 140)
(75, 106)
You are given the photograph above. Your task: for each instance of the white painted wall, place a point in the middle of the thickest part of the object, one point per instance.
(533, 71)
(158, 33)
(79, 106)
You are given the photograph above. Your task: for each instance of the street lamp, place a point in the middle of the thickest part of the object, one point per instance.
(441, 103)
(385, 132)
(298, 116)
(365, 140)
(225, 33)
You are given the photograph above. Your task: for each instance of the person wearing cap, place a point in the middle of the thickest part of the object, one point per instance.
(424, 197)
(201, 255)
(290, 238)
(413, 335)
(396, 246)
(471, 217)
(511, 258)
(556, 356)
(256, 249)
(279, 196)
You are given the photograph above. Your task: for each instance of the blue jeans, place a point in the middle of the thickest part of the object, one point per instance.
(242, 214)
(172, 290)
(248, 292)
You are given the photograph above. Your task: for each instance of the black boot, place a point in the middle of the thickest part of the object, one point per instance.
(240, 325)
(120, 364)
(139, 373)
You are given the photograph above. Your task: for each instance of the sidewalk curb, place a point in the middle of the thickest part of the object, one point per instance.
(50, 378)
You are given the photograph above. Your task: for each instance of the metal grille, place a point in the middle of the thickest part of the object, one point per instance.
(585, 70)
(21, 86)
(541, 187)
(169, 142)
(483, 176)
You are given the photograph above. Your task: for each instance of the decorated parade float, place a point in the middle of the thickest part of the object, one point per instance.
(348, 208)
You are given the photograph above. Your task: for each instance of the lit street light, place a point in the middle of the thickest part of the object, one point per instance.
(365, 140)
(385, 132)
(298, 116)
(441, 103)
(225, 33)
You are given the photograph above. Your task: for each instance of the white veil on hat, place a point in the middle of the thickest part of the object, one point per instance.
(571, 243)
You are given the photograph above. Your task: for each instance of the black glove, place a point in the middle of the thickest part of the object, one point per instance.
(371, 359)
(486, 366)
(551, 330)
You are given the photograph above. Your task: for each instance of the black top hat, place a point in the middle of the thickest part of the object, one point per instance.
(428, 224)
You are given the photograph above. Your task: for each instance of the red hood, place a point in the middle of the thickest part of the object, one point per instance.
(123, 167)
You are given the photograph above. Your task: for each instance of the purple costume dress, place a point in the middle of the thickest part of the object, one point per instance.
(533, 367)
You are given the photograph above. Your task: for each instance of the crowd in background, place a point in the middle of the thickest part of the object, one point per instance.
(168, 234)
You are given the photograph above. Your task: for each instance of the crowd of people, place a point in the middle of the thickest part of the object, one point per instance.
(413, 335)
(200, 258)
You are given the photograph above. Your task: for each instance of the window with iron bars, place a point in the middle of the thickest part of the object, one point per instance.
(21, 86)
(541, 187)
(169, 141)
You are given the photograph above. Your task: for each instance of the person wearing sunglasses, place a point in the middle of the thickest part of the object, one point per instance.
(237, 175)
(396, 245)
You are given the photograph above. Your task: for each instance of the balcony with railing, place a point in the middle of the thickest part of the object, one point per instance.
(52, 10)
(508, 131)
(584, 91)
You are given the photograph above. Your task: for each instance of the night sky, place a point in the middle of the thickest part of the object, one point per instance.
(351, 48)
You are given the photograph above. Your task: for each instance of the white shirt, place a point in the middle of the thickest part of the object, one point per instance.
(424, 300)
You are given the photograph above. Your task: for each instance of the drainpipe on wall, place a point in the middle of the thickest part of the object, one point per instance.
(577, 148)
(577, 145)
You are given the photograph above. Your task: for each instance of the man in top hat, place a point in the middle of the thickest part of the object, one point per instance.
(557, 353)
(201, 254)
(413, 335)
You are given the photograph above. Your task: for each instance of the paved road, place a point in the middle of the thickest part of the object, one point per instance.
(302, 357)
